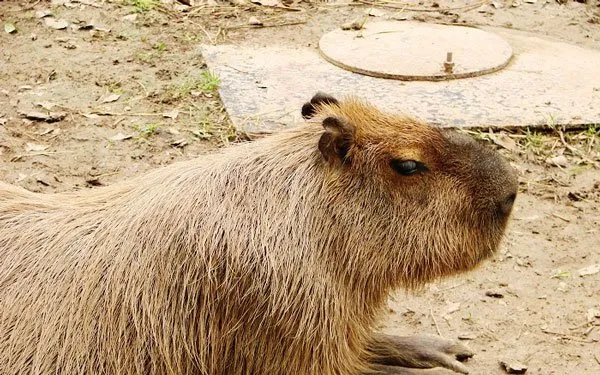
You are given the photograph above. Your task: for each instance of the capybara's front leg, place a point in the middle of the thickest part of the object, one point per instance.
(395, 370)
(418, 352)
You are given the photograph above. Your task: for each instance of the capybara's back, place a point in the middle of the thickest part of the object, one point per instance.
(273, 257)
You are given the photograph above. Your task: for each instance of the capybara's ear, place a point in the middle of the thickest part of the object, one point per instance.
(337, 140)
(309, 109)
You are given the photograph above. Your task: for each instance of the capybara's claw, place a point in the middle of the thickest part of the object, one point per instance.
(420, 352)
(396, 370)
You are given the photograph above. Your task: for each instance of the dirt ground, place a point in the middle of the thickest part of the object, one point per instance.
(92, 92)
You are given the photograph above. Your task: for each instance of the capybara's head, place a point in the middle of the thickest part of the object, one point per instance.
(428, 202)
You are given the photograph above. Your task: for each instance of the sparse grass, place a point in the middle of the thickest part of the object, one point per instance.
(577, 169)
(144, 57)
(192, 38)
(593, 130)
(142, 5)
(535, 141)
(146, 131)
(561, 275)
(212, 124)
(207, 83)
(160, 47)
(115, 87)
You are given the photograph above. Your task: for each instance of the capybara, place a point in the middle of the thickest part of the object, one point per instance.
(274, 257)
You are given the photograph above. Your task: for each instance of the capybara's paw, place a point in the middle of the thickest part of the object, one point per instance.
(395, 370)
(420, 352)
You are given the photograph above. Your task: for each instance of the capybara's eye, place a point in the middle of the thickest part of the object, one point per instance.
(407, 167)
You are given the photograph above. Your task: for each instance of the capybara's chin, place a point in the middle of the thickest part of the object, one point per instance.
(273, 257)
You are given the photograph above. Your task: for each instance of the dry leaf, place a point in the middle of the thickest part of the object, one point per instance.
(90, 3)
(130, 17)
(376, 13)
(43, 13)
(32, 147)
(504, 141)
(589, 270)
(110, 98)
(56, 24)
(267, 3)
(46, 105)
(451, 308)
(592, 314)
(120, 137)
(171, 114)
(9, 28)
(44, 116)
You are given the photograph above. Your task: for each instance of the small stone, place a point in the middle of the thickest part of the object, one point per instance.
(254, 21)
(376, 13)
(354, 25)
(130, 17)
(513, 367)
(9, 28)
(562, 287)
(179, 143)
(494, 294)
(592, 314)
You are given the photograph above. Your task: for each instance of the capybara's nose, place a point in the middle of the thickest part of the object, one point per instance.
(505, 205)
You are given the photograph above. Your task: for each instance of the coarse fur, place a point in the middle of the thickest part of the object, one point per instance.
(271, 257)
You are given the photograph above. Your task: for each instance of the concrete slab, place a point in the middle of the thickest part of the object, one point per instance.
(413, 51)
(263, 88)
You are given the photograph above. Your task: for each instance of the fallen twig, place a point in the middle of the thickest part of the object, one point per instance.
(560, 217)
(408, 7)
(566, 336)
(437, 327)
(247, 26)
(573, 150)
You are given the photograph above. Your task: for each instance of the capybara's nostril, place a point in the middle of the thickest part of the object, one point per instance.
(506, 205)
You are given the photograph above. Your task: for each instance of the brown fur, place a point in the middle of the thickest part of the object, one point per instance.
(261, 259)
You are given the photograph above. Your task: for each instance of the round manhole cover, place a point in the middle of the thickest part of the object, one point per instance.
(416, 51)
